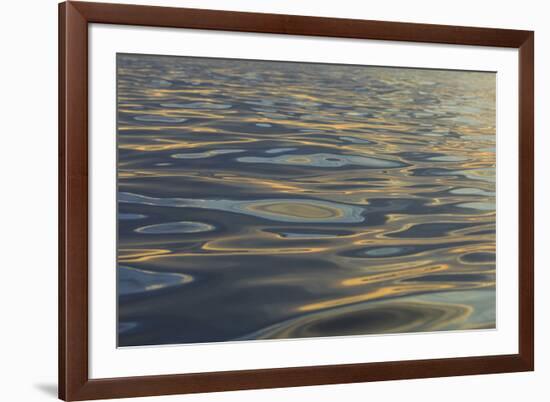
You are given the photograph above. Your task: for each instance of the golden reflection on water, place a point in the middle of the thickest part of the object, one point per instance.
(262, 200)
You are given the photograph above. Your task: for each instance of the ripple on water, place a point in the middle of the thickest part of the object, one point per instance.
(206, 154)
(364, 319)
(125, 326)
(340, 234)
(471, 191)
(176, 227)
(404, 250)
(448, 158)
(388, 251)
(429, 312)
(482, 206)
(282, 210)
(308, 233)
(261, 102)
(438, 229)
(453, 278)
(129, 216)
(133, 281)
(159, 119)
(197, 105)
(323, 160)
(356, 140)
(486, 175)
(479, 258)
(158, 83)
(279, 150)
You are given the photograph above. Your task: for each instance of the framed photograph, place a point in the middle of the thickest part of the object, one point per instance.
(259, 200)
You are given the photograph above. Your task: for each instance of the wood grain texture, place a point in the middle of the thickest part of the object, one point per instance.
(74, 382)
(526, 200)
(73, 196)
(297, 25)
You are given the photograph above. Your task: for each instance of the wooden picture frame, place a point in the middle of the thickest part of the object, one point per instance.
(74, 381)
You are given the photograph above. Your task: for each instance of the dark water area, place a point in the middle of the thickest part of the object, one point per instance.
(269, 200)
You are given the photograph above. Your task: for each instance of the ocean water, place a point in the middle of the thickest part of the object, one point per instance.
(269, 200)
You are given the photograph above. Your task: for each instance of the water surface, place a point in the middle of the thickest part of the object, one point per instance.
(268, 200)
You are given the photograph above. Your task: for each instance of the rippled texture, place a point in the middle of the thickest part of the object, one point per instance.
(265, 200)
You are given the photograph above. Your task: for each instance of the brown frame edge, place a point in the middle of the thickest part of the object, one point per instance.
(74, 382)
